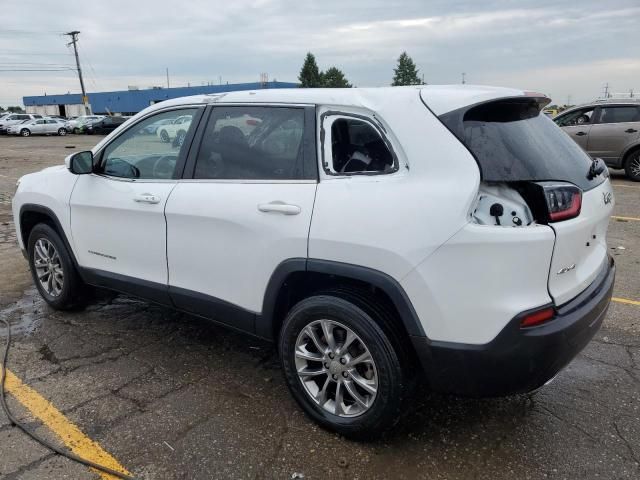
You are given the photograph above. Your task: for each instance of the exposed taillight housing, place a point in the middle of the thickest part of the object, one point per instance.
(552, 201)
(564, 201)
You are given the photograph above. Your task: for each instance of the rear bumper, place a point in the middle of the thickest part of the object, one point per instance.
(519, 360)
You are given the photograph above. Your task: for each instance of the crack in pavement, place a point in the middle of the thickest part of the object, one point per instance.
(626, 442)
(16, 474)
(582, 431)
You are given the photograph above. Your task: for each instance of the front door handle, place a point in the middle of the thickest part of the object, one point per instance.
(630, 130)
(280, 207)
(580, 134)
(146, 198)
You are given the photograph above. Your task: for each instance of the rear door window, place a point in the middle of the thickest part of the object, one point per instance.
(619, 114)
(513, 141)
(254, 143)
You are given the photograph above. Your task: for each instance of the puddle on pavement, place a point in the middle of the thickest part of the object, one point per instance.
(23, 315)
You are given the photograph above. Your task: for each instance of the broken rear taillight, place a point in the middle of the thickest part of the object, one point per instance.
(564, 201)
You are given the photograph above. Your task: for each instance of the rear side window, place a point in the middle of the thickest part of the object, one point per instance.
(619, 114)
(356, 146)
(513, 141)
(254, 143)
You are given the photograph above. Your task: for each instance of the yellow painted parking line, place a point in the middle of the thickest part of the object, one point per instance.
(632, 219)
(625, 300)
(69, 433)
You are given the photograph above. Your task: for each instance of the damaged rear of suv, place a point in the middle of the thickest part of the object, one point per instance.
(537, 230)
(367, 232)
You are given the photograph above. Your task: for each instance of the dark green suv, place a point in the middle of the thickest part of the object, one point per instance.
(608, 129)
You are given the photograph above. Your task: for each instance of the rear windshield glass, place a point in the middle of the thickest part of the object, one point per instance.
(513, 141)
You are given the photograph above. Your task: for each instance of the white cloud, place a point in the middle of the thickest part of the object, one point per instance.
(561, 47)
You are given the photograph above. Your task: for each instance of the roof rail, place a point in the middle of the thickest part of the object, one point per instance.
(618, 100)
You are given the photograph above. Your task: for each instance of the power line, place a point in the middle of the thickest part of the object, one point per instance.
(70, 69)
(18, 53)
(38, 64)
(17, 31)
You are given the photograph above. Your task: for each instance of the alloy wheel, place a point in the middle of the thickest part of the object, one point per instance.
(336, 368)
(634, 166)
(48, 266)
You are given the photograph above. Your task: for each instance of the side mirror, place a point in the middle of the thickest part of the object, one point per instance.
(80, 163)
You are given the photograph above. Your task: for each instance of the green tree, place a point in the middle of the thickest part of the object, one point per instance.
(406, 73)
(334, 78)
(15, 109)
(310, 76)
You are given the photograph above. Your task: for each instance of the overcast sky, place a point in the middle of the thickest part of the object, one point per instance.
(562, 48)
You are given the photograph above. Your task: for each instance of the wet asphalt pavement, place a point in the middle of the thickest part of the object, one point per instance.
(172, 396)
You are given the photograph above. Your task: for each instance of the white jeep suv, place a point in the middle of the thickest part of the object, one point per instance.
(380, 237)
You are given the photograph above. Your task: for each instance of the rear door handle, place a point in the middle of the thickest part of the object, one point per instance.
(580, 134)
(631, 130)
(146, 198)
(280, 207)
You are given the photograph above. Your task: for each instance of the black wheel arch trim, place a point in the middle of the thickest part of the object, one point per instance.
(265, 322)
(34, 208)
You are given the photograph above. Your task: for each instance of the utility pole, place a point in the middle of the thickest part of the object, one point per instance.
(463, 79)
(74, 40)
(606, 90)
(168, 85)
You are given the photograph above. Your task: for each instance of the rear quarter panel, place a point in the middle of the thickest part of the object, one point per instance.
(391, 223)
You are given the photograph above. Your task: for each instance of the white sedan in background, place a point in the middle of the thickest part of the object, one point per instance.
(175, 130)
(40, 126)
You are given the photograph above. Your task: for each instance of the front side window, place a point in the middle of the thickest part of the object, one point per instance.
(356, 147)
(137, 155)
(583, 116)
(253, 143)
(619, 114)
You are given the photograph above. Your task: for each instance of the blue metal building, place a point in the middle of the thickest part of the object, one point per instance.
(128, 102)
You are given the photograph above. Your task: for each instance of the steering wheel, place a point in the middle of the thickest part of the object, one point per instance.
(162, 167)
(582, 119)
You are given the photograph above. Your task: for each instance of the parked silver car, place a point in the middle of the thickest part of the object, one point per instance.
(608, 129)
(14, 119)
(41, 126)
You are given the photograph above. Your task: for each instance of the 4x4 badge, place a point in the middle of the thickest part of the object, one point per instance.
(606, 196)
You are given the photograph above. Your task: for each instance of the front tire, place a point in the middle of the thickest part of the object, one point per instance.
(341, 366)
(52, 269)
(25, 132)
(164, 136)
(632, 166)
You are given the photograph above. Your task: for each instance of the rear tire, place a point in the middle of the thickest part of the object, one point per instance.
(52, 269)
(364, 411)
(62, 132)
(632, 166)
